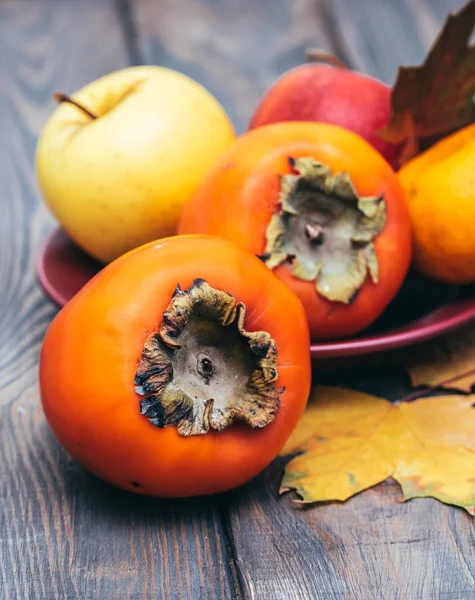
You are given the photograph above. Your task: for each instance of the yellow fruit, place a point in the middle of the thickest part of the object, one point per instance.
(120, 180)
(440, 188)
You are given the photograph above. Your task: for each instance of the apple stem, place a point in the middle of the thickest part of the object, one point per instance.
(319, 55)
(59, 97)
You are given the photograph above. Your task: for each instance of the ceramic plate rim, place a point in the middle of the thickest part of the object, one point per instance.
(413, 333)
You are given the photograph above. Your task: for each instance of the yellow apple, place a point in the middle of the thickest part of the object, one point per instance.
(116, 172)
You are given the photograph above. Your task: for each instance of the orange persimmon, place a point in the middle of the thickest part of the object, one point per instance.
(322, 208)
(181, 369)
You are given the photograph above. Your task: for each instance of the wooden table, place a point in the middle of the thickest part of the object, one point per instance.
(66, 535)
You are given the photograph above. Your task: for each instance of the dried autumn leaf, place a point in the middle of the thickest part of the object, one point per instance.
(436, 98)
(350, 441)
(448, 361)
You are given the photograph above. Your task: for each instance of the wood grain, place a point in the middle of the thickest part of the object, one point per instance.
(370, 547)
(378, 36)
(63, 533)
(234, 48)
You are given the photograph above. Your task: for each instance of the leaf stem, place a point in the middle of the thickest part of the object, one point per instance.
(425, 392)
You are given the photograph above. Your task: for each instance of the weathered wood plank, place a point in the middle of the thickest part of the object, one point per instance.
(370, 547)
(378, 36)
(63, 533)
(234, 48)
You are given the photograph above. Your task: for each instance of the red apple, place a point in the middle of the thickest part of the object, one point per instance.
(320, 92)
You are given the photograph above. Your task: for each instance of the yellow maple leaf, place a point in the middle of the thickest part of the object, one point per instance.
(451, 357)
(350, 441)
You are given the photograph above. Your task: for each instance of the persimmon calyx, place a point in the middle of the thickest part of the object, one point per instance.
(324, 230)
(203, 370)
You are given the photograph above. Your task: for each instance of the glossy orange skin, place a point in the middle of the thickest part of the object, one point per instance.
(92, 348)
(239, 194)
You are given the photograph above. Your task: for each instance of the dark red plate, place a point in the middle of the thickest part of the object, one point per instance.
(423, 309)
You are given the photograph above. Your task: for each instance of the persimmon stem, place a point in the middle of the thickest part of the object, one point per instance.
(314, 233)
(319, 55)
(60, 97)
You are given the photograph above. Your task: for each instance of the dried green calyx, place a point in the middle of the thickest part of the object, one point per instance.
(203, 370)
(324, 230)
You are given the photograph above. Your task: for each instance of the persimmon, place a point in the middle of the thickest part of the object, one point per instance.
(181, 369)
(324, 211)
(440, 189)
